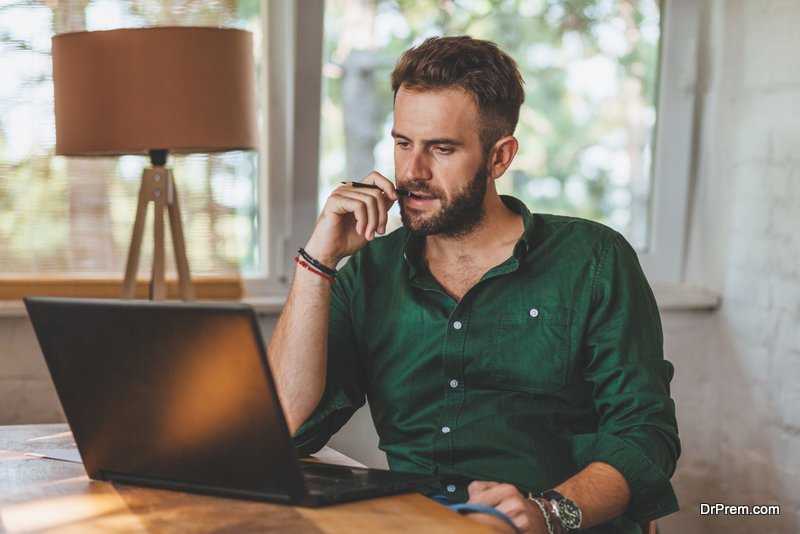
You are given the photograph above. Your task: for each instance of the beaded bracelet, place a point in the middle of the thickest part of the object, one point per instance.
(547, 519)
(327, 277)
(317, 265)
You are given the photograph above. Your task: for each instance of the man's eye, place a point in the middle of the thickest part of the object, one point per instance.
(403, 144)
(444, 150)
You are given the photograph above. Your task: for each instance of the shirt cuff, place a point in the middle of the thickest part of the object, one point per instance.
(326, 419)
(652, 495)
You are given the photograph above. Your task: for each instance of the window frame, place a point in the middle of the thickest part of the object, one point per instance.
(664, 260)
(291, 141)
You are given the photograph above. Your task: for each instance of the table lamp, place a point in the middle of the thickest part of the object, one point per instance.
(155, 91)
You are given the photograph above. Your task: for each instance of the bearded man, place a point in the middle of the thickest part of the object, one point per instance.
(518, 356)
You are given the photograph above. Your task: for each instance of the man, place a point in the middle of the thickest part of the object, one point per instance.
(510, 353)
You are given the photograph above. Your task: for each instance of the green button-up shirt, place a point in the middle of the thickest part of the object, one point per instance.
(552, 361)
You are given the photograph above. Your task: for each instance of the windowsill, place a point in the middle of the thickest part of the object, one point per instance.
(266, 305)
(13, 289)
(205, 287)
(685, 298)
(261, 305)
(672, 298)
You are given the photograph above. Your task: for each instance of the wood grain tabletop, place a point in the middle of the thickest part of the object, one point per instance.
(40, 495)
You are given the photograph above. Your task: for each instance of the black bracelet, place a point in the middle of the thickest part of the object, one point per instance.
(316, 264)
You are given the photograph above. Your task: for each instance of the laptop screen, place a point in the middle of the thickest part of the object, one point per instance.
(168, 390)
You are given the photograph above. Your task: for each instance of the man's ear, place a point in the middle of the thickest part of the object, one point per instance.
(501, 155)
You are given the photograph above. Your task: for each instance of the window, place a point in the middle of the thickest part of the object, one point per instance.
(65, 223)
(52, 207)
(603, 108)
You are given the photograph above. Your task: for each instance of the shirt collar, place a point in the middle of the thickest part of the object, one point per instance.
(523, 245)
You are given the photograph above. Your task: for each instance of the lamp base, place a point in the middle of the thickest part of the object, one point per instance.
(158, 187)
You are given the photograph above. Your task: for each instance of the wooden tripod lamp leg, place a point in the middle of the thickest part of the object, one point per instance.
(185, 282)
(158, 288)
(129, 284)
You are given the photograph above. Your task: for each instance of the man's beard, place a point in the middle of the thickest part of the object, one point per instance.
(457, 217)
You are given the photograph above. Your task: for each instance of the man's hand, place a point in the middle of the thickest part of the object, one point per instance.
(506, 499)
(600, 490)
(351, 217)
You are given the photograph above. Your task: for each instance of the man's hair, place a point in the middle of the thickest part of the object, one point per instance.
(478, 67)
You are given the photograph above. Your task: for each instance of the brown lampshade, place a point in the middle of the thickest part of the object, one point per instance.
(183, 89)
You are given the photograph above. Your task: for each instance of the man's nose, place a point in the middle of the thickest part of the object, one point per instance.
(417, 166)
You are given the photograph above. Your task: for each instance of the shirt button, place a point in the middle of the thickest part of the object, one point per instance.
(445, 429)
(451, 488)
(454, 383)
(534, 312)
(457, 325)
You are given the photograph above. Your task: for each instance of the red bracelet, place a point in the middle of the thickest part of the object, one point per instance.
(323, 275)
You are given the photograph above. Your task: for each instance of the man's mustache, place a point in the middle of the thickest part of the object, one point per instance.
(420, 188)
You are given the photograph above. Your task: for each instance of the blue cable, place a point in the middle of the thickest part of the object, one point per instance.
(466, 508)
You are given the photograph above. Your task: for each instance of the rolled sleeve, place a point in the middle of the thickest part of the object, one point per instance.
(331, 414)
(344, 384)
(652, 495)
(637, 432)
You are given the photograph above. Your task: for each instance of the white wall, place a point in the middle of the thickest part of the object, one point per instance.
(26, 391)
(27, 395)
(737, 379)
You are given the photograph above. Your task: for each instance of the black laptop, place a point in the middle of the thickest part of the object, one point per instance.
(179, 396)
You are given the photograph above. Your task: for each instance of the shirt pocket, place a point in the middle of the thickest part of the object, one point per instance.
(531, 347)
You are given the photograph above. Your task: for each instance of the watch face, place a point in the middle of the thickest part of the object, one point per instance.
(570, 514)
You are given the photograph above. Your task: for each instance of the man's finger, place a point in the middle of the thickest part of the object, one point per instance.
(494, 494)
(387, 197)
(373, 204)
(479, 486)
(384, 183)
(376, 203)
(504, 498)
(363, 205)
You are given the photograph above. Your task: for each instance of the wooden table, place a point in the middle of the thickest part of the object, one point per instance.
(39, 495)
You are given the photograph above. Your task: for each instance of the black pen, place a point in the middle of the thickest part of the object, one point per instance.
(373, 186)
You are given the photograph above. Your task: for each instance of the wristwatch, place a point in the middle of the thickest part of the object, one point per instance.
(565, 510)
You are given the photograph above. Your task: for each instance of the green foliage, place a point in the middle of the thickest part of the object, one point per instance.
(249, 9)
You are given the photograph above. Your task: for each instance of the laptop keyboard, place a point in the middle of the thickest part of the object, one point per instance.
(324, 478)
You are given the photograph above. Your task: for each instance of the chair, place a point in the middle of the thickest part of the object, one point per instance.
(648, 528)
